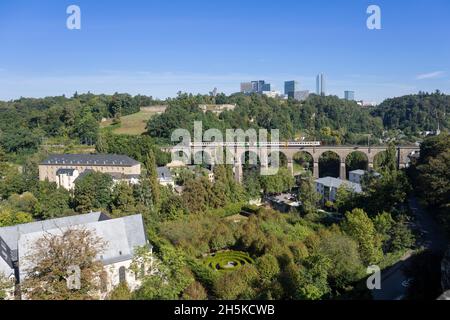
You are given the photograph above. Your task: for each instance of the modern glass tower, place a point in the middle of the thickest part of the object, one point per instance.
(290, 87)
(320, 85)
(349, 95)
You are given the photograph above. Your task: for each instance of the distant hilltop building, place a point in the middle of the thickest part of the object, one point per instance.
(321, 85)
(217, 108)
(349, 95)
(366, 104)
(292, 91)
(259, 86)
(65, 169)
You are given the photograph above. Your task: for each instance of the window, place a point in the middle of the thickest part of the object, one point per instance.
(122, 275)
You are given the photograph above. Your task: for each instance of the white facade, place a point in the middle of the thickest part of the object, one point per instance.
(66, 179)
(328, 187)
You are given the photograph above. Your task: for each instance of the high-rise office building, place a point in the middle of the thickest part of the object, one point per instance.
(321, 85)
(349, 95)
(259, 86)
(246, 87)
(290, 87)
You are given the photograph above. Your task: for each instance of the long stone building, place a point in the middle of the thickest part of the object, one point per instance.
(64, 169)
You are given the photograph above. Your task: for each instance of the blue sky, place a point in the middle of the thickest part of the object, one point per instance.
(158, 47)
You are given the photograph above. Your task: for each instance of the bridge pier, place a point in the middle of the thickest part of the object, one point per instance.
(316, 174)
(290, 166)
(239, 173)
(343, 172)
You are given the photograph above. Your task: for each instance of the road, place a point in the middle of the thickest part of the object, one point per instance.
(433, 239)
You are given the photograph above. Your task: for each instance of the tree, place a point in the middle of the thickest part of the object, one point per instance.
(53, 202)
(386, 162)
(53, 255)
(3, 162)
(9, 217)
(385, 193)
(237, 284)
(172, 206)
(171, 280)
(361, 228)
(122, 199)
(93, 191)
(267, 267)
(195, 291)
(312, 281)
(6, 285)
(121, 292)
(26, 202)
(196, 195)
(280, 182)
(152, 176)
(346, 199)
(308, 196)
(343, 252)
(87, 129)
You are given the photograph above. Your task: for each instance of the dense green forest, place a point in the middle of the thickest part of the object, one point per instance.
(415, 113)
(26, 124)
(333, 120)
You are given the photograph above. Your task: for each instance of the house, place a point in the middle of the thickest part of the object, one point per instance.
(357, 176)
(65, 169)
(122, 236)
(65, 178)
(328, 187)
(202, 172)
(165, 177)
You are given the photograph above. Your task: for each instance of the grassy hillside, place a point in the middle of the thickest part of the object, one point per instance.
(133, 124)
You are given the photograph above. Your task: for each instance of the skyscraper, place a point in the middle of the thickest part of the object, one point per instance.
(290, 87)
(320, 85)
(246, 87)
(259, 86)
(349, 95)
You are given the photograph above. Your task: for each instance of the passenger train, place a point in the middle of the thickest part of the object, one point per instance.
(286, 144)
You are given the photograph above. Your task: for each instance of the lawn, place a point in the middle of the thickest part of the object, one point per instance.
(133, 124)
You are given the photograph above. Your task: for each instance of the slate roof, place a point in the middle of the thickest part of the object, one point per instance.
(90, 160)
(164, 173)
(68, 172)
(359, 172)
(337, 183)
(121, 235)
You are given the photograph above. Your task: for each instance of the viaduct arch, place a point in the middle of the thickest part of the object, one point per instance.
(215, 152)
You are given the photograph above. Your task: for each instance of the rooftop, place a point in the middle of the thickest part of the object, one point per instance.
(121, 235)
(164, 173)
(90, 160)
(337, 183)
(359, 172)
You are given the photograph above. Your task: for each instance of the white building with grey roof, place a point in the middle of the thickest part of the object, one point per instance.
(65, 169)
(328, 187)
(122, 237)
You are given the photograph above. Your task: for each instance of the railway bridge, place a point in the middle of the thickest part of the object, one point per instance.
(239, 151)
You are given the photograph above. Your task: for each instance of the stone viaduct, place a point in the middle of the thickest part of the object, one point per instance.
(239, 154)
